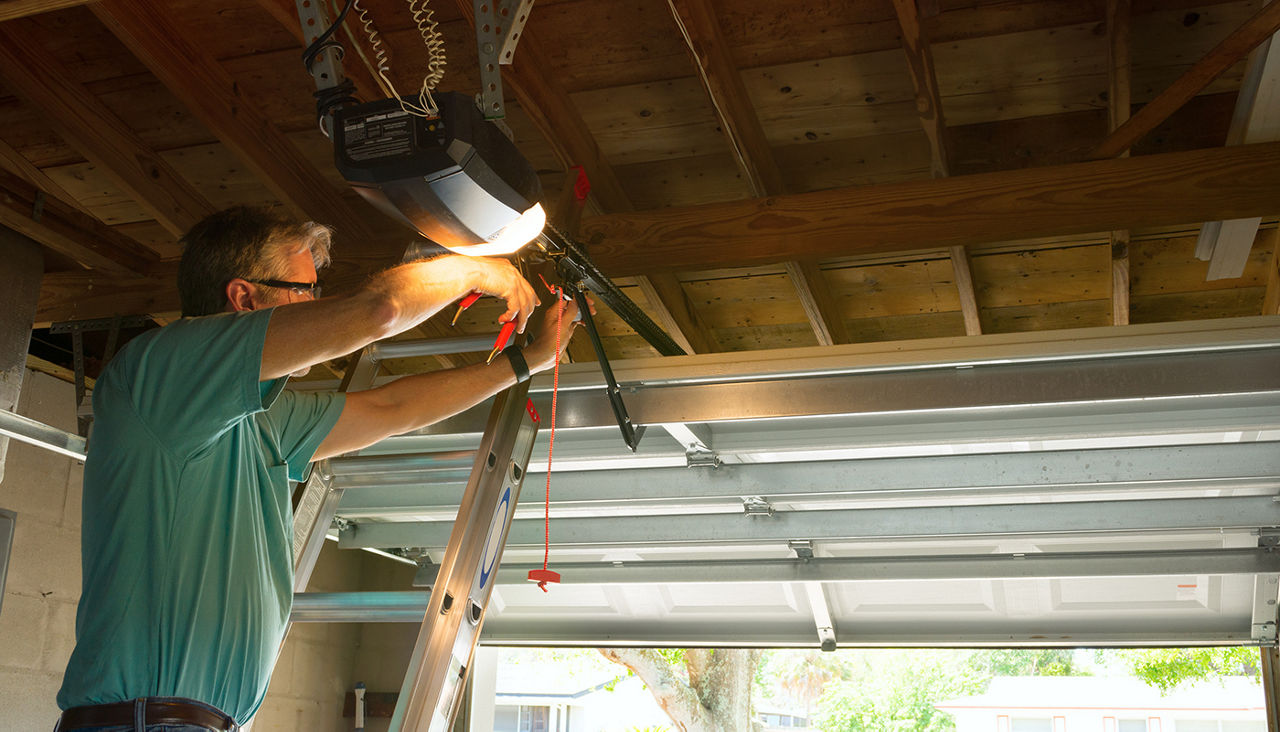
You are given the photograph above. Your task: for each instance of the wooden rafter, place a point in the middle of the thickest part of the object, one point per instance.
(98, 133)
(200, 82)
(1223, 56)
(12, 9)
(676, 314)
(15, 163)
(924, 78)
(549, 108)
(964, 284)
(1146, 191)
(741, 126)
(78, 295)
(1271, 297)
(819, 305)
(1118, 104)
(722, 82)
(68, 230)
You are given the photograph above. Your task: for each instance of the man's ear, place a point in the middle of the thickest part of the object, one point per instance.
(239, 296)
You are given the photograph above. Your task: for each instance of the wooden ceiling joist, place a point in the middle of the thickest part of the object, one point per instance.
(97, 133)
(708, 50)
(15, 163)
(69, 231)
(548, 106)
(1119, 102)
(1223, 56)
(680, 319)
(915, 43)
(740, 124)
(13, 9)
(819, 305)
(924, 79)
(199, 81)
(1146, 191)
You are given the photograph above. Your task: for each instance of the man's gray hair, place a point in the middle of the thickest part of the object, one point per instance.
(246, 242)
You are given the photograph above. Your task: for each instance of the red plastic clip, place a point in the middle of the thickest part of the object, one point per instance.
(533, 413)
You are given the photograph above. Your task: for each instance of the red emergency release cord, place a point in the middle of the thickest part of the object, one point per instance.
(544, 575)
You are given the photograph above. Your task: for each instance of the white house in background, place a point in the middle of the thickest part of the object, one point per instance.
(1099, 704)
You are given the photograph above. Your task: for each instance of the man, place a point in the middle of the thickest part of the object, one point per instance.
(186, 546)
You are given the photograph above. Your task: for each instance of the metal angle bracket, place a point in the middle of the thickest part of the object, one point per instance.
(756, 506)
(1266, 593)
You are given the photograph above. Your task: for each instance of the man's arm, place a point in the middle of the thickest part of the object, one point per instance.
(304, 334)
(416, 401)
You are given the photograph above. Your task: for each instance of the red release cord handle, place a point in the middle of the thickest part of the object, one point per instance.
(544, 575)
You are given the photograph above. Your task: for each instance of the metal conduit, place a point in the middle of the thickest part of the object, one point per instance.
(41, 435)
(433, 347)
(413, 462)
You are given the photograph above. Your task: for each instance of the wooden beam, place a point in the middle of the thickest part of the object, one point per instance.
(740, 124)
(69, 231)
(819, 306)
(79, 295)
(1146, 191)
(925, 80)
(549, 108)
(1223, 56)
(199, 81)
(97, 133)
(964, 284)
(676, 314)
(15, 163)
(1119, 102)
(13, 9)
(1271, 298)
(722, 82)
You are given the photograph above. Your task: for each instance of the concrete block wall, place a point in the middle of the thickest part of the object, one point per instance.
(314, 671)
(38, 612)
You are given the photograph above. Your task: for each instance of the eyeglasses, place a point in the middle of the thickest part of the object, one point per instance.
(301, 288)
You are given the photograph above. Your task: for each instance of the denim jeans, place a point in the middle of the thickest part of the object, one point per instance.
(155, 727)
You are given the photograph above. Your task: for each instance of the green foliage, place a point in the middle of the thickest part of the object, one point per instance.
(1167, 668)
(895, 690)
(648, 729)
(1027, 662)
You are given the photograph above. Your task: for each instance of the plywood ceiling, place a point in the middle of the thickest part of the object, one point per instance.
(764, 174)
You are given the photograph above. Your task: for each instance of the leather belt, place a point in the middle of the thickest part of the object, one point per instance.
(149, 711)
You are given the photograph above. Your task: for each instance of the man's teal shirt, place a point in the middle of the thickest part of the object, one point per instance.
(186, 547)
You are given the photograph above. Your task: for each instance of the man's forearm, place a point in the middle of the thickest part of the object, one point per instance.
(413, 402)
(393, 301)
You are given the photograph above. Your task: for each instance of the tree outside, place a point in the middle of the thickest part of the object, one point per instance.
(884, 690)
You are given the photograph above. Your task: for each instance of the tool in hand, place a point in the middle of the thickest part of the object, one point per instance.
(504, 336)
(467, 302)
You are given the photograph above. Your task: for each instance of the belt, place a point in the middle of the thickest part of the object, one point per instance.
(147, 711)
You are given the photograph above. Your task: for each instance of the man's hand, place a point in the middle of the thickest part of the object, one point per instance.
(499, 278)
(542, 354)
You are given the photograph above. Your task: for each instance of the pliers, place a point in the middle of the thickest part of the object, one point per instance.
(504, 335)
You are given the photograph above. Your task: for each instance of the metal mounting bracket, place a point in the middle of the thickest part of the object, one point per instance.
(756, 506)
(499, 25)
